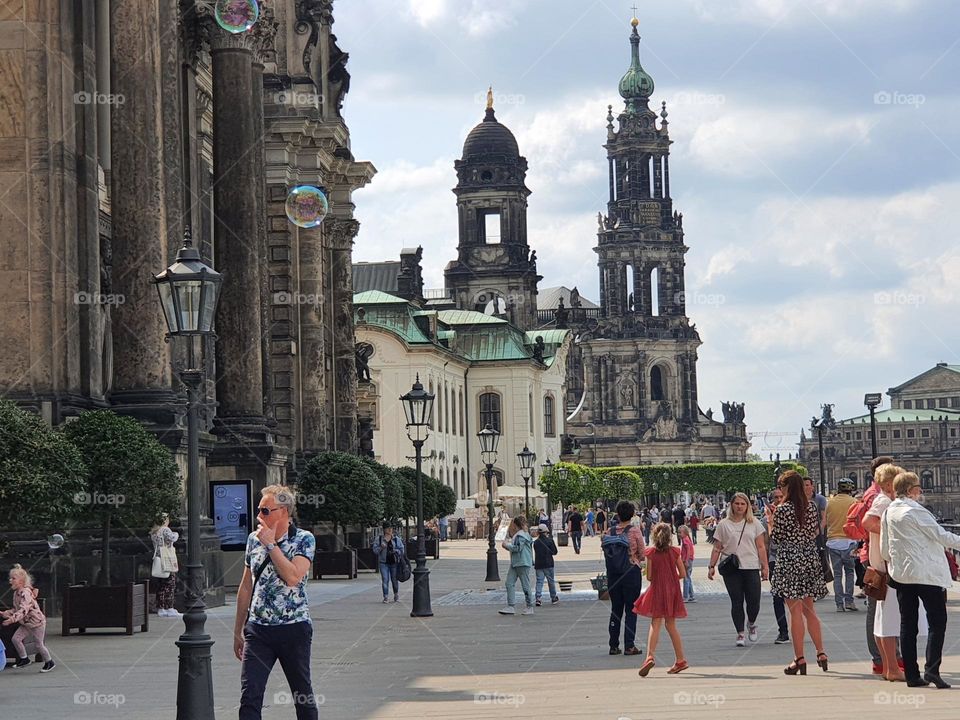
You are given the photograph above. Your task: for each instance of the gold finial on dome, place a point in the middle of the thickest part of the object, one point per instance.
(635, 21)
(490, 98)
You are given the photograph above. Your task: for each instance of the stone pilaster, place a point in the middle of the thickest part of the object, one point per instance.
(315, 419)
(340, 233)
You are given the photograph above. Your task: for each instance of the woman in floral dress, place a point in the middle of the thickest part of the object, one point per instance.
(798, 576)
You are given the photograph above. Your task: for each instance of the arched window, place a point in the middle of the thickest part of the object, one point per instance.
(655, 292)
(439, 407)
(549, 426)
(433, 416)
(464, 488)
(657, 389)
(451, 410)
(628, 290)
(463, 423)
(490, 411)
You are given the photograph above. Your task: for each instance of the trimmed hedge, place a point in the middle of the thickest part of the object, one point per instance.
(705, 478)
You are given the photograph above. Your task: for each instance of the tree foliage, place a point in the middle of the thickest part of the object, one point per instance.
(446, 501)
(340, 488)
(579, 485)
(705, 478)
(392, 490)
(40, 472)
(622, 485)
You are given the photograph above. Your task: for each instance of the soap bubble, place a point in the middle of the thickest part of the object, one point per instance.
(236, 16)
(55, 541)
(306, 206)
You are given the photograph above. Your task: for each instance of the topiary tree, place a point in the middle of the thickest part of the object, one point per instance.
(622, 485)
(131, 477)
(566, 491)
(347, 488)
(40, 472)
(392, 490)
(446, 501)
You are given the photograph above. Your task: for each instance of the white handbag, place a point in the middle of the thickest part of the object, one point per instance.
(156, 569)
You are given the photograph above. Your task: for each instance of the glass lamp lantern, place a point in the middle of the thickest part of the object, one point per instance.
(527, 459)
(189, 291)
(418, 408)
(489, 439)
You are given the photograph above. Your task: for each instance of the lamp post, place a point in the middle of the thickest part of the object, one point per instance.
(527, 459)
(547, 470)
(489, 438)
(189, 291)
(418, 407)
(872, 401)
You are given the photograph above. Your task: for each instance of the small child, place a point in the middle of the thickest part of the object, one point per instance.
(686, 554)
(544, 549)
(520, 545)
(662, 601)
(27, 612)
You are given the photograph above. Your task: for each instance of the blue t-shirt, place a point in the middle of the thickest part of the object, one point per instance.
(273, 601)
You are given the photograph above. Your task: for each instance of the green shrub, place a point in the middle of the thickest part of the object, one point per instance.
(346, 488)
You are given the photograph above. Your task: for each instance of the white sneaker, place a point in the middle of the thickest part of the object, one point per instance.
(508, 610)
(162, 612)
(528, 611)
(752, 633)
(740, 641)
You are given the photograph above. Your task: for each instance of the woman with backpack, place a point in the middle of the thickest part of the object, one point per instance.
(390, 552)
(623, 549)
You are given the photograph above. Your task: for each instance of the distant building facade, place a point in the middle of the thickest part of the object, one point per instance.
(920, 430)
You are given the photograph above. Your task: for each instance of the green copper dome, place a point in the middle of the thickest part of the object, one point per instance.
(636, 86)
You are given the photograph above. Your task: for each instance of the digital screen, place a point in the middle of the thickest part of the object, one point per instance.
(231, 513)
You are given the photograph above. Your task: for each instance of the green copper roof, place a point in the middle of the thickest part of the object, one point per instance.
(376, 297)
(493, 342)
(468, 317)
(550, 337)
(904, 415)
(636, 86)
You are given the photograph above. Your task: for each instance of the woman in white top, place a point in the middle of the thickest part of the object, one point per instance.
(912, 543)
(163, 536)
(740, 534)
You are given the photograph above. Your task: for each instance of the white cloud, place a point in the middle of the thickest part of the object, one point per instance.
(477, 20)
(426, 12)
(767, 11)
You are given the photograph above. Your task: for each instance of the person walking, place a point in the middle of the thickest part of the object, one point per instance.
(874, 528)
(601, 521)
(686, 554)
(273, 615)
(662, 602)
(740, 535)
(779, 609)
(461, 527)
(694, 523)
(679, 517)
(390, 552)
(795, 527)
(591, 528)
(444, 524)
(33, 624)
(912, 543)
(710, 527)
(575, 528)
(163, 537)
(646, 525)
(841, 548)
(544, 548)
(623, 549)
(520, 546)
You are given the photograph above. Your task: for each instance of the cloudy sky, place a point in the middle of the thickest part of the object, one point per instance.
(816, 160)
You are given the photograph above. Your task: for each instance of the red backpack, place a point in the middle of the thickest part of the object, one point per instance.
(853, 527)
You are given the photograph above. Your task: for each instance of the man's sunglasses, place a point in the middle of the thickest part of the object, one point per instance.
(265, 511)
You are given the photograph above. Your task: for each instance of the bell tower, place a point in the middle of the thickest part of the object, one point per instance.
(495, 272)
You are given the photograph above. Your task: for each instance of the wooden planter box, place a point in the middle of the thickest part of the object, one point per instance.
(431, 546)
(367, 559)
(110, 606)
(339, 562)
(563, 539)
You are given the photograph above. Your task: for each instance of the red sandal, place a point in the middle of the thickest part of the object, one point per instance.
(647, 666)
(679, 666)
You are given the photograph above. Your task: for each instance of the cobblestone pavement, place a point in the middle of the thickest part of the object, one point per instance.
(373, 661)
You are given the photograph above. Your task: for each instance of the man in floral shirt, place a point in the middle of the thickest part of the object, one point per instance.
(273, 617)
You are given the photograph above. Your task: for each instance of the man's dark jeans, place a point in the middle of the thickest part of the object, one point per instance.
(935, 605)
(624, 591)
(577, 535)
(265, 644)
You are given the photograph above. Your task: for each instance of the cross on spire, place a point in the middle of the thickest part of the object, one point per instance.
(634, 9)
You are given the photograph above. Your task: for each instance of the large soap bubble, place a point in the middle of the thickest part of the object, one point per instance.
(236, 16)
(55, 541)
(306, 206)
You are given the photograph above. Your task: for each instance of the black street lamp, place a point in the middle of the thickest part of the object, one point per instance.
(547, 470)
(189, 291)
(489, 438)
(527, 459)
(418, 407)
(872, 401)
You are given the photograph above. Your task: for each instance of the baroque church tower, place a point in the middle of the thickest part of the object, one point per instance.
(640, 360)
(495, 272)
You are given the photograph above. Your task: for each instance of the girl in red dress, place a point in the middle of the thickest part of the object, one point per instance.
(662, 602)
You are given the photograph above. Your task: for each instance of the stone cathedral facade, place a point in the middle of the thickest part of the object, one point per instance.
(639, 358)
(126, 124)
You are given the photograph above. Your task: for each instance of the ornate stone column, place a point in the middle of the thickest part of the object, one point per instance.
(340, 233)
